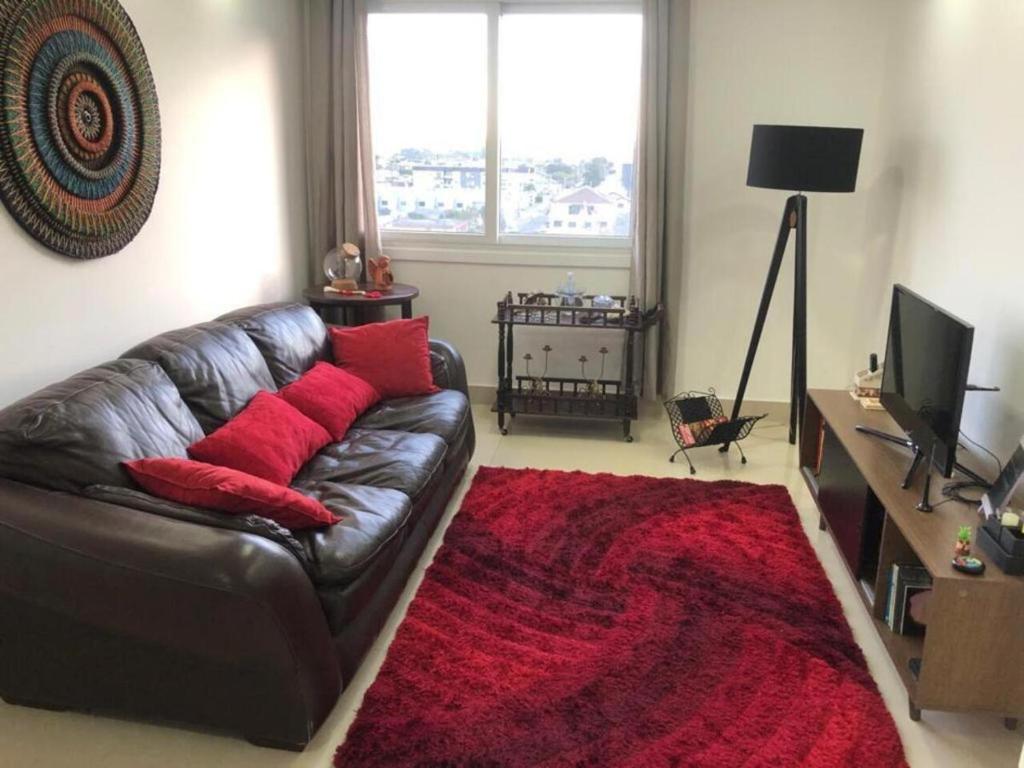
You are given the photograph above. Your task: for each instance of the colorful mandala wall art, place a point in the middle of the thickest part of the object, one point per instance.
(80, 127)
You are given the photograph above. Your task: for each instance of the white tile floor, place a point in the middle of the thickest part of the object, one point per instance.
(30, 738)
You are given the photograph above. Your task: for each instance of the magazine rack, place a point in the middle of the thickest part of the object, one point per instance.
(700, 415)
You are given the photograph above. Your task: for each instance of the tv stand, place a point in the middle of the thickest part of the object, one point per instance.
(969, 657)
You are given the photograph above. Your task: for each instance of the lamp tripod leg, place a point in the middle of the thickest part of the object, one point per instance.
(788, 222)
(799, 397)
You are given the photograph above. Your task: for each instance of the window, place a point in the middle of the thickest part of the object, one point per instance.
(562, 107)
(429, 120)
(569, 90)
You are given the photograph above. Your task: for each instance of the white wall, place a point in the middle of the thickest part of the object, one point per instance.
(957, 145)
(813, 62)
(228, 224)
(938, 199)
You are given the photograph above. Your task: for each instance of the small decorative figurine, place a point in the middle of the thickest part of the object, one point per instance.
(591, 387)
(963, 541)
(380, 273)
(537, 385)
(534, 384)
(963, 561)
(570, 295)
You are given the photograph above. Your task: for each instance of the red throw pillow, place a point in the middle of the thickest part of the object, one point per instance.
(268, 438)
(228, 490)
(331, 397)
(394, 356)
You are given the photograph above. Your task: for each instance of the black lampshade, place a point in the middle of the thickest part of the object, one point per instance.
(804, 158)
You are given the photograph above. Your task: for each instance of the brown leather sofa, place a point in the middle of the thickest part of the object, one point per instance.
(115, 601)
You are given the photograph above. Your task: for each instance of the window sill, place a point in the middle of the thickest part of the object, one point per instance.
(508, 255)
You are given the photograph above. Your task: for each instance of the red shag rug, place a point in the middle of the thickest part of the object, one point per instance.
(573, 619)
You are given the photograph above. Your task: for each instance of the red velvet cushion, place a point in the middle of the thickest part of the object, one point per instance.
(393, 356)
(268, 438)
(228, 490)
(331, 397)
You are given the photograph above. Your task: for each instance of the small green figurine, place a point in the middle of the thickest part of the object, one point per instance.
(962, 560)
(963, 541)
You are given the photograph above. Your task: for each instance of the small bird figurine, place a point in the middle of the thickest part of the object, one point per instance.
(380, 273)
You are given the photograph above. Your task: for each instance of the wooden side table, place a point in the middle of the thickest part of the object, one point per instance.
(351, 310)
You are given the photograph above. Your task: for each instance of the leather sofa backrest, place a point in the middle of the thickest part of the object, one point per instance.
(76, 432)
(215, 366)
(292, 337)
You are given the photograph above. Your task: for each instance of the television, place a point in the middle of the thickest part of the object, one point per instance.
(927, 357)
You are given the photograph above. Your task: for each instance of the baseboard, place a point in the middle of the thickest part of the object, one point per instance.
(482, 394)
(776, 410)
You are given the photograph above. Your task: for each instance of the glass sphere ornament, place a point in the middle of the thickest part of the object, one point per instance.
(343, 263)
(334, 265)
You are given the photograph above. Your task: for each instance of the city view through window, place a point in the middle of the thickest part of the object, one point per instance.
(567, 105)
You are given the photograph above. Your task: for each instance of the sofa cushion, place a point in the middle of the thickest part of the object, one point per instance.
(393, 356)
(443, 414)
(77, 432)
(215, 366)
(382, 458)
(229, 491)
(290, 336)
(370, 519)
(269, 439)
(331, 397)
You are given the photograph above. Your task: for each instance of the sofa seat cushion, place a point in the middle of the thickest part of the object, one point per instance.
(290, 336)
(443, 413)
(77, 432)
(215, 366)
(382, 458)
(370, 519)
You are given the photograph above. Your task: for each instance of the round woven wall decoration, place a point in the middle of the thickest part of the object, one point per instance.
(80, 127)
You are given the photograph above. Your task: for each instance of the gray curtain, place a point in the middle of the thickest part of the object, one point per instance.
(660, 148)
(339, 153)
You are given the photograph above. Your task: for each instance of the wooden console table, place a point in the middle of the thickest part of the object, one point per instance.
(971, 652)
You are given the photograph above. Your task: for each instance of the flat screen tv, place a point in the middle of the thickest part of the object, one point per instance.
(927, 358)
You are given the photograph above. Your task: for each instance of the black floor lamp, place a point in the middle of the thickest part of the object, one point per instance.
(799, 159)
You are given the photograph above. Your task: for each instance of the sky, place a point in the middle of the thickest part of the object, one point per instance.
(569, 83)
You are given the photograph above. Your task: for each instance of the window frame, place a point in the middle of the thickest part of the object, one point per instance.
(416, 245)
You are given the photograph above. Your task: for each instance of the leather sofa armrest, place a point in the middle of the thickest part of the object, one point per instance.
(202, 601)
(254, 524)
(448, 367)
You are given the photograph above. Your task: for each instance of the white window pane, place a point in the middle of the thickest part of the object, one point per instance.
(570, 86)
(428, 94)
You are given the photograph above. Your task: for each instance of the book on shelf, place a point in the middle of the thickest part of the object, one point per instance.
(904, 582)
